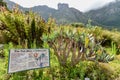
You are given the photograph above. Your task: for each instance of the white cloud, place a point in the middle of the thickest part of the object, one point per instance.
(82, 5)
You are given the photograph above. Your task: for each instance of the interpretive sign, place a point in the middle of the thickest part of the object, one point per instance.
(25, 59)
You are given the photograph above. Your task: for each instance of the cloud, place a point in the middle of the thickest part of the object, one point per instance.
(99, 4)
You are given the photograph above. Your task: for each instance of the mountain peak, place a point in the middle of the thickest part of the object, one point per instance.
(62, 6)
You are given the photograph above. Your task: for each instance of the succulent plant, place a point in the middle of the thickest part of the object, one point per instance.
(71, 46)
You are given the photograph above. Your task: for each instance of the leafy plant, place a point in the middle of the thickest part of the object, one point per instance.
(64, 44)
(2, 4)
(113, 48)
(104, 57)
(18, 27)
(71, 46)
(77, 25)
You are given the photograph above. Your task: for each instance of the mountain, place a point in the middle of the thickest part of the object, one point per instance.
(11, 4)
(64, 14)
(43, 11)
(108, 15)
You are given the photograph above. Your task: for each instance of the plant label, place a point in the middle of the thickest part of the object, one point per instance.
(26, 59)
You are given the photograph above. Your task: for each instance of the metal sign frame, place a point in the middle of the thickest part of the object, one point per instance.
(28, 59)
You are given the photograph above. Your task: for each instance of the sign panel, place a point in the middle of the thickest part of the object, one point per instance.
(25, 59)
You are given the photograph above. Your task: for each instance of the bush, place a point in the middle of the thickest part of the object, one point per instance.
(78, 25)
(19, 28)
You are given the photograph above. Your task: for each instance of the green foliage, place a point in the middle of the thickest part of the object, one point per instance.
(96, 31)
(4, 62)
(3, 69)
(71, 46)
(77, 25)
(118, 49)
(81, 69)
(18, 27)
(1, 50)
(96, 72)
(104, 57)
(26, 75)
(60, 41)
(2, 3)
(114, 49)
(89, 24)
(110, 36)
(75, 53)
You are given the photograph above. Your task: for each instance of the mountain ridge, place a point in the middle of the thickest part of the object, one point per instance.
(64, 14)
(107, 16)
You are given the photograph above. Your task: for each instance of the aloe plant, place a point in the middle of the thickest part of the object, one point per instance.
(104, 57)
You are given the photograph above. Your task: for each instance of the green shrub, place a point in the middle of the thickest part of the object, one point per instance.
(114, 48)
(77, 25)
(18, 27)
(72, 47)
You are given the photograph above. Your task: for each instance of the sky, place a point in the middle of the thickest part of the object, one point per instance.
(82, 5)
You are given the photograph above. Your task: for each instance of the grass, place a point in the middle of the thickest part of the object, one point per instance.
(3, 69)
